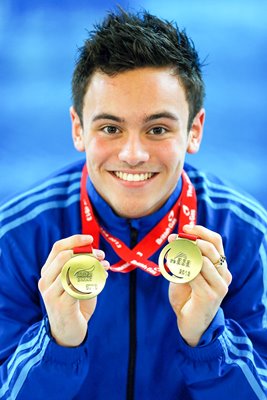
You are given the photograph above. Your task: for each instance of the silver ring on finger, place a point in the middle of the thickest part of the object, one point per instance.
(218, 264)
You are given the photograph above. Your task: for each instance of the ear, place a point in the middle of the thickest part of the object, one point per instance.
(77, 130)
(196, 132)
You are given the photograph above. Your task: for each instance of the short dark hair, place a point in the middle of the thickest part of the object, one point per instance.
(125, 41)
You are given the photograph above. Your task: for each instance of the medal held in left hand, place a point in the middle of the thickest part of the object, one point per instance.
(83, 276)
(181, 260)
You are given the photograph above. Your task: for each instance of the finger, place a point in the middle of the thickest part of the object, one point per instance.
(206, 234)
(211, 246)
(179, 294)
(99, 254)
(58, 287)
(209, 282)
(105, 264)
(52, 293)
(172, 237)
(208, 250)
(50, 273)
(67, 244)
(224, 272)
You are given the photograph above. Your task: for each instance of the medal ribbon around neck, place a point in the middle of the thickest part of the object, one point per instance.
(183, 212)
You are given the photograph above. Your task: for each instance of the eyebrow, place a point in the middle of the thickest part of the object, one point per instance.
(149, 118)
(108, 116)
(164, 114)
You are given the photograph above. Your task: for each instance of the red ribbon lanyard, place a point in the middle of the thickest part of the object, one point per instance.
(184, 210)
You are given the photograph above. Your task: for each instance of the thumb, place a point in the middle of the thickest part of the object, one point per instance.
(179, 294)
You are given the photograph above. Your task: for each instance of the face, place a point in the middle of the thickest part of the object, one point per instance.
(135, 137)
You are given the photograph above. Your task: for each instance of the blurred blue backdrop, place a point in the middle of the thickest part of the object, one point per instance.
(39, 41)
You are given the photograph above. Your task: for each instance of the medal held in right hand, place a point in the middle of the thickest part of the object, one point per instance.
(181, 260)
(83, 277)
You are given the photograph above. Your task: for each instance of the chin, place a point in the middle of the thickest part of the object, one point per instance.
(132, 212)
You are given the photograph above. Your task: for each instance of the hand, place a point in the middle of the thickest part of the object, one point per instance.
(68, 317)
(196, 303)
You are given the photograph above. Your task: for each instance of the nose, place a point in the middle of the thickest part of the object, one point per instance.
(133, 151)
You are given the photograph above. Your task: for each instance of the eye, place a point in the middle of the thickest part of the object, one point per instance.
(157, 130)
(110, 129)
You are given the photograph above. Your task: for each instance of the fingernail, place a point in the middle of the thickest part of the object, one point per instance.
(87, 238)
(99, 253)
(187, 227)
(105, 264)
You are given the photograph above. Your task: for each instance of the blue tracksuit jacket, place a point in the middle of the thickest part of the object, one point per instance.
(133, 349)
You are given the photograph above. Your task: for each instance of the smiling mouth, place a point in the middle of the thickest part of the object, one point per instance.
(124, 176)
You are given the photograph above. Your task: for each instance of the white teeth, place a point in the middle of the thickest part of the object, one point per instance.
(133, 177)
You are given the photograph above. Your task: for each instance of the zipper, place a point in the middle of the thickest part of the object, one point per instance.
(132, 324)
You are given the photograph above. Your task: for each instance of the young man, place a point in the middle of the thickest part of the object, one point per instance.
(137, 110)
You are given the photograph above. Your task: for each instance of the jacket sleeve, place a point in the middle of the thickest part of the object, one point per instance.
(230, 360)
(29, 373)
(29, 358)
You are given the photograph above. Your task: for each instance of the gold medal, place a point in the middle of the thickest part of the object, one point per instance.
(183, 261)
(83, 276)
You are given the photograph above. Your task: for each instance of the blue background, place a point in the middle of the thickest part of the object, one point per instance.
(39, 41)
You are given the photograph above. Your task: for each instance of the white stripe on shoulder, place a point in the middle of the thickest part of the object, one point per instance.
(241, 353)
(231, 194)
(53, 181)
(43, 196)
(248, 374)
(236, 210)
(262, 372)
(226, 192)
(263, 257)
(38, 210)
(21, 349)
(26, 369)
(36, 347)
(240, 340)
